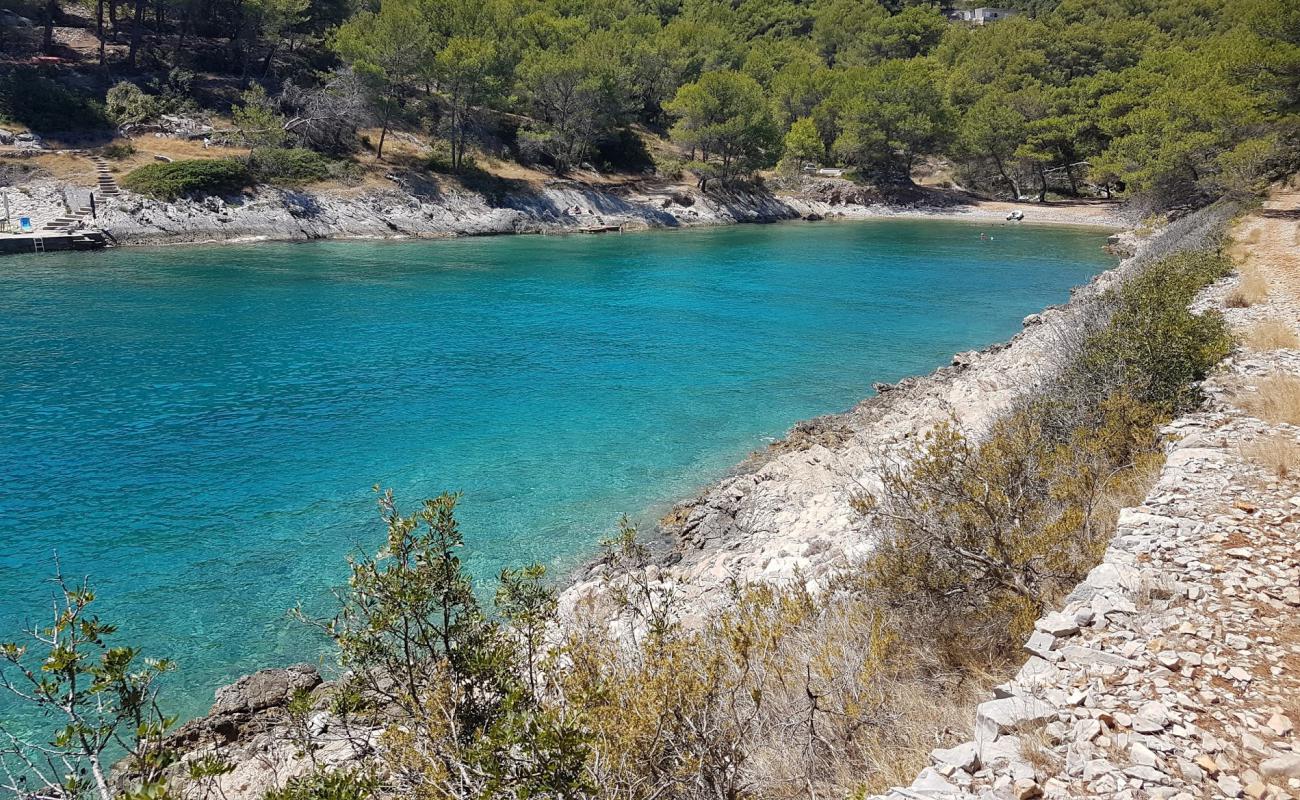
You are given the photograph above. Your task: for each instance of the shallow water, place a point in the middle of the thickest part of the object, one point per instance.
(199, 429)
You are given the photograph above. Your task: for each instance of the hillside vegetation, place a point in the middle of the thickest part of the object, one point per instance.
(1171, 101)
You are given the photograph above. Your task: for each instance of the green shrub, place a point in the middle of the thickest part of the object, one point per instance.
(169, 181)
(1154, 345)
(47, 106)
(321, 785)
(288, 166)
(117, 150)
(127, 104)
(259, 122)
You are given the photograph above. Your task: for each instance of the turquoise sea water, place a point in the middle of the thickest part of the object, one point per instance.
(198, 429)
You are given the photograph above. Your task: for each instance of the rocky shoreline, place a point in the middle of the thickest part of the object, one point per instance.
(417, 207)
(784, 515)
(1095, 697)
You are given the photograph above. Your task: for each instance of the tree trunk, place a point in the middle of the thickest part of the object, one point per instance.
(51, 11)
(1069, 174)
(240, 46)
(1006, 176)
(1042, 184)
(186, 18)
(99, 30)
(457, 141)
(137, 32)
(270, 59)
(383, 133)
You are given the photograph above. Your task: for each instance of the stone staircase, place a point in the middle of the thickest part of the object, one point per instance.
(76, 219)
(107, 183)
(68, 222)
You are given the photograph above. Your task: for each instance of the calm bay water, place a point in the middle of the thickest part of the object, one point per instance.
(198, 429)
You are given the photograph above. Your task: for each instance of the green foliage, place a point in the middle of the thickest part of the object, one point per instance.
(576, 95)
(327, 785)
(409, 613)
(1157, 101)
(194, 176)
(725, 116)
(97, 697)
(803, 144)
(127, 104)
(118, 150)
(469, 71)
(392, 49)
(258, 121)
(1169, 105)
(889, 115)
(410, 630)
(291, 166)
(1154, 345)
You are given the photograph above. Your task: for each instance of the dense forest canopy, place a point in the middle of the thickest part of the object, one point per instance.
(1169, 100)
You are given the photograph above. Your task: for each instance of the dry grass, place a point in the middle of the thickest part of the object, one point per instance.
(1036, 748)
(1278, 454)
(67, 167)
(1275, 400)
(825, 697)
(1252, 288)
(1270, 333)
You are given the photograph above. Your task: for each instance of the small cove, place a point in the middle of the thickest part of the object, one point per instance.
(198, 428)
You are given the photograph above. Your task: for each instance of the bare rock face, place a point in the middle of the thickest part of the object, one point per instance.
(250, 730)
(250, 702)
(268, 688)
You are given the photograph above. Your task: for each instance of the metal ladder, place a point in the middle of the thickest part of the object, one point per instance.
(38, 245)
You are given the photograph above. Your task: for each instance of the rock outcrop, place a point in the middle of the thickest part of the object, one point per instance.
(251, 729)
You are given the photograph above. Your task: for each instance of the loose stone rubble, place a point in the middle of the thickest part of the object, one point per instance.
(1173, 671)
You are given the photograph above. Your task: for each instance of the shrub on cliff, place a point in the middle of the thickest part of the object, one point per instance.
(999, 526)
(1154, 345)
(320, 784)
(288, 166)
(194, 176)
(991, 529)
(411, 631)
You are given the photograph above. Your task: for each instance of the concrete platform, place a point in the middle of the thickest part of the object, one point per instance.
(18, 243)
